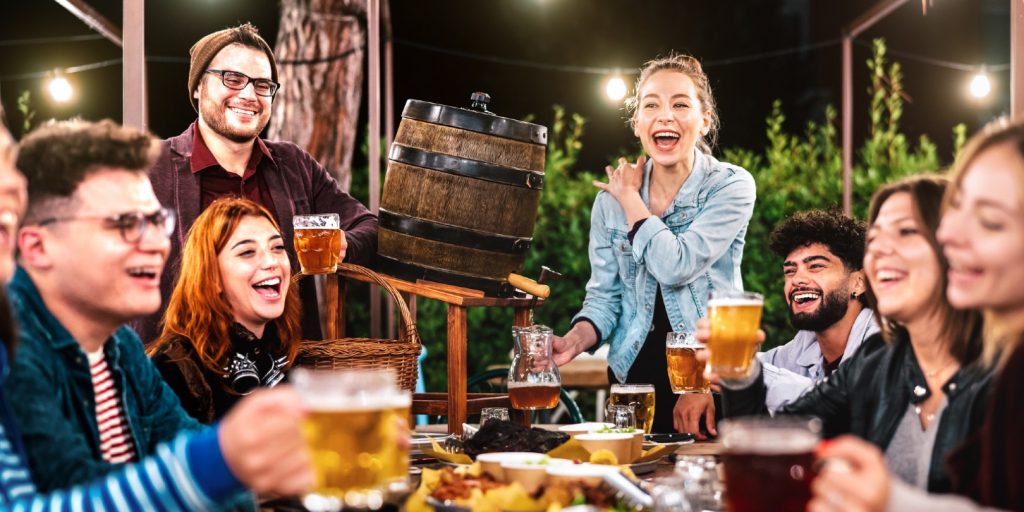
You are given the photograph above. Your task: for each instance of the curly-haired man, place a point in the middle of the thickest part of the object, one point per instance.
(828, 301)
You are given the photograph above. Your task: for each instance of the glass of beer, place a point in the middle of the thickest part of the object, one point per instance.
(640, 396)
(318, 242)
(735, 317)
(533, 379)
(685, 374)
(769, 462)
(353, 434)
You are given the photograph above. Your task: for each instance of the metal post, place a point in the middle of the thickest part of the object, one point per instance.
(865, 21)
(1017, 58)
(133, 80)
(373, 26)
(848, 125)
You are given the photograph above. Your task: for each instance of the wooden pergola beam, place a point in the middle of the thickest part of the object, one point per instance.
(1017, 58)
(96, 21)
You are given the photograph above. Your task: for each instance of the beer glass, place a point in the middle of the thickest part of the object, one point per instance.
(352, 430)
(735, 317)
(769, 462)
(685, 374)
(640, 396)
(533, 379)
(622, 416)
(318, 242)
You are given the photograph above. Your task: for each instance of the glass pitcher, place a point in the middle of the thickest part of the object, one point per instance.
(533, 380)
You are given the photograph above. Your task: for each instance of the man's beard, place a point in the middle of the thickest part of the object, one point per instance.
(216, 119)
(832, 309)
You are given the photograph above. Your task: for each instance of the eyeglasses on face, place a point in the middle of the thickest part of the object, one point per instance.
(238, 81)
(132, 225)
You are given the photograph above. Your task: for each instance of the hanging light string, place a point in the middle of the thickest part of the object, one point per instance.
(591, 70)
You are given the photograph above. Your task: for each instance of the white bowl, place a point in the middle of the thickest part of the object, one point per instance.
(490, 463)
(619, 444)
(531, 474)
(589, 474)
(583, 428)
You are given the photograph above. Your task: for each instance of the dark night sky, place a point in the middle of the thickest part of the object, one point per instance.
(598, 33)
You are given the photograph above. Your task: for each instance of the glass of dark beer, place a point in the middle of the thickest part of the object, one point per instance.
(769, 462)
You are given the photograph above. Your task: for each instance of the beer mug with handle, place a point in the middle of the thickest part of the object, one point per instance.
(353, 432)
(640, 397)
(533, 379)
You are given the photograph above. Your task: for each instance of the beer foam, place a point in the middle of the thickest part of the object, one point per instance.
(734, 302)
(769, 441)
(514, 385)
(357, 402)
(632, 388)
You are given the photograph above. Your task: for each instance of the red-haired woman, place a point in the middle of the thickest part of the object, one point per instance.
(232, 323)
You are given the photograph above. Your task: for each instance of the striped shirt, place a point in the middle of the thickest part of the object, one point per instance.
(164, 481)
(115, 436)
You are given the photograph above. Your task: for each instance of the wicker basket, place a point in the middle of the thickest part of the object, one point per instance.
(400, 354)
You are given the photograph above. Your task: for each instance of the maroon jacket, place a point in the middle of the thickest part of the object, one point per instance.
(298, 185)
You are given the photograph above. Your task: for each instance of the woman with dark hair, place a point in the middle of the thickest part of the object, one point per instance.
(664, 232)
(982, 235)
(918, 389)
(232, 323)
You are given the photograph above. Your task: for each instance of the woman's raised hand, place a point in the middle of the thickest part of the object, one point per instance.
(624, 179)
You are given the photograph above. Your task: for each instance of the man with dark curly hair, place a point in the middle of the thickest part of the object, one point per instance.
(828, 301)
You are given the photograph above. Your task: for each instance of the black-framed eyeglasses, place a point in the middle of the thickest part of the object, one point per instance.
(238, 81)
(131, 224)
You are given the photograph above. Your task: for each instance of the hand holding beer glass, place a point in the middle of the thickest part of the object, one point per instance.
(319, 242)
(533, 379)
(685, 372)
(734, 317)
(352, 433)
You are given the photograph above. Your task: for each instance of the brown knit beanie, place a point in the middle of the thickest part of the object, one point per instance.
(207, 48)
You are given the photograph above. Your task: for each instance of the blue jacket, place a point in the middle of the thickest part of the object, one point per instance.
(55, 405)
(694, 247)
(188, 473)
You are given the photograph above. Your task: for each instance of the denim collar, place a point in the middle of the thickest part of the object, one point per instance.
(690, 189)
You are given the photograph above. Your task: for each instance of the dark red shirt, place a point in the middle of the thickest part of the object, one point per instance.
(215, 182)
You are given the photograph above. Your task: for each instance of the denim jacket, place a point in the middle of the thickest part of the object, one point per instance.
(694, 247)
(50, 389)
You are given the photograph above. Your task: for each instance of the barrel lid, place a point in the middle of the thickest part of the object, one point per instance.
(486, 123)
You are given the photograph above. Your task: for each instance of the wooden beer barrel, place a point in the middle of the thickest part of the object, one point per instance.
(460, 196)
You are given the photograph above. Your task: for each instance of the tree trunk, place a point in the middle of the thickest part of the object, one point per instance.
(319, 54)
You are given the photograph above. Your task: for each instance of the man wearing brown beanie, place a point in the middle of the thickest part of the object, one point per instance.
(232, 80)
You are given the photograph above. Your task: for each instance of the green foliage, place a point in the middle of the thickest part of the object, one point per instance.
(794, 172)
(26, 110)
(804, 171)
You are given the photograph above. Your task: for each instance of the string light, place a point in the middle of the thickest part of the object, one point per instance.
(60, 88)
(980, 86)
(615, 88)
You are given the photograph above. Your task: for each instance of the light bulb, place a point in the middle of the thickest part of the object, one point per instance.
(980, 86)
(60, 89)
(615, 89)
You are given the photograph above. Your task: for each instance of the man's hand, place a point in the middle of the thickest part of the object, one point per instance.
(853, 478)
(565, 348)
(262, 442)
(688, 410)
(344, 247)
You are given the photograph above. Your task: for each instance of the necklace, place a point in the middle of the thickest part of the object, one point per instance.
(934, 373)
